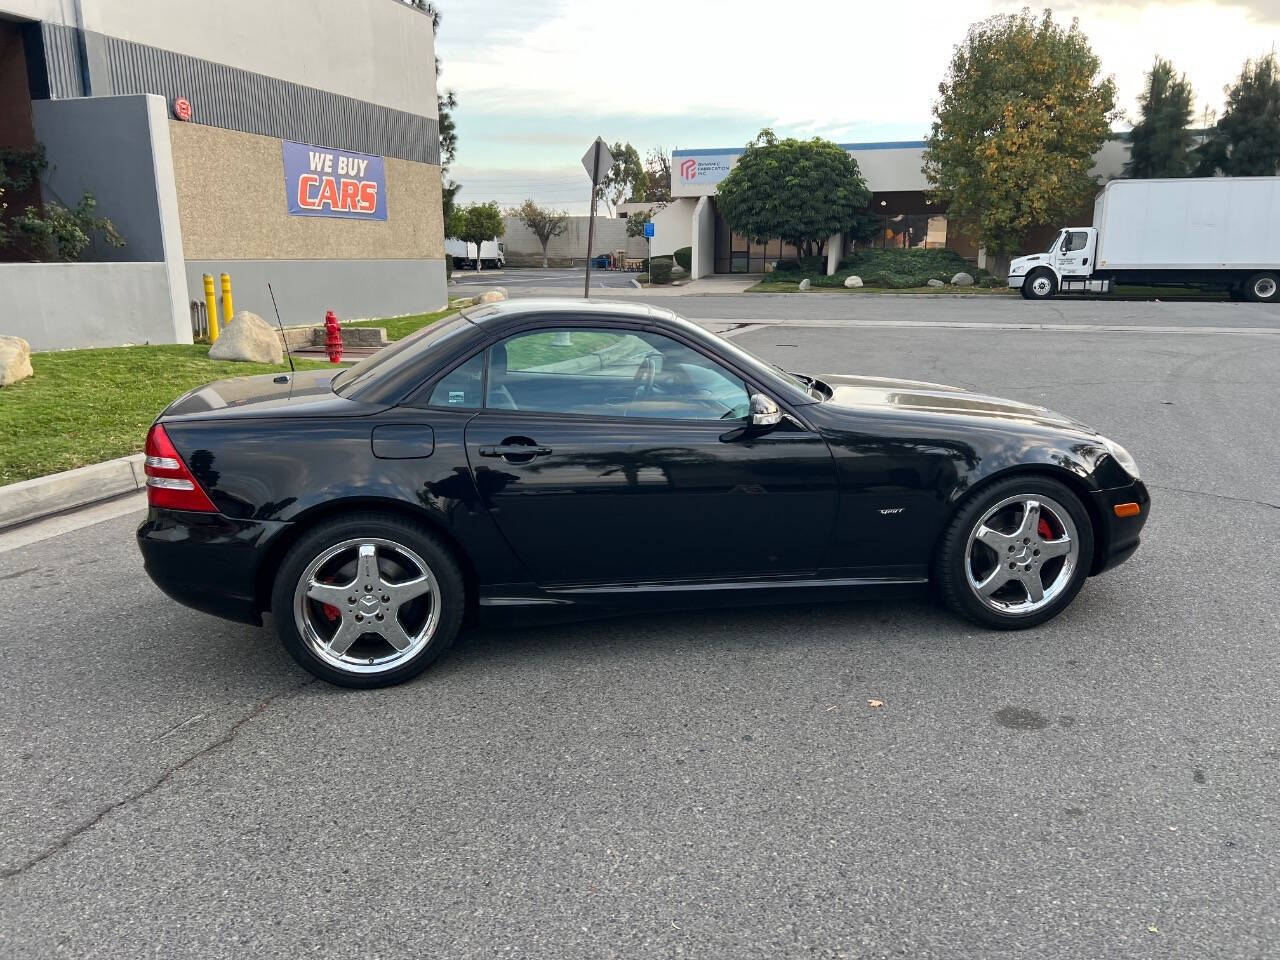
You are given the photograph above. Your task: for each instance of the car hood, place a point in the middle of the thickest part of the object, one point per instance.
(307, 393)
(918, 396)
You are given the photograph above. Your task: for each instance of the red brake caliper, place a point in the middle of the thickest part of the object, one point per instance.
(333, 614)
(1043, 528)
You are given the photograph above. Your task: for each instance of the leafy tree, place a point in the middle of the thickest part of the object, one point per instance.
(477, 223)
(542, 223)
(1245, 142)
(625, 178)
(801, 191)
(657, 183)
(1162, 137)
(1017, 122)
(636, 222)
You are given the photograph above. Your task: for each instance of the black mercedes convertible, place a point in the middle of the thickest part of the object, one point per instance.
(555, 458)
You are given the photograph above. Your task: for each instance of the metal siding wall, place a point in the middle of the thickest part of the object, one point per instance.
(62, 61)
(236, 99)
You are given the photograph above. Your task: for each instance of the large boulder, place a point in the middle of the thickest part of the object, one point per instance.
(804, 284)
(936, 283)
(854, 281)
(15, 360)
(492, 296)
(250, 338)
(962, 279)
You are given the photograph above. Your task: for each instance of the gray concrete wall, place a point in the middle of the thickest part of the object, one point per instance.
(305, 289)
(107, 146)
(58, 306)
(523, 248)
(382, 51)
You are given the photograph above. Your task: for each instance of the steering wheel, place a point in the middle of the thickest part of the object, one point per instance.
(642, 382)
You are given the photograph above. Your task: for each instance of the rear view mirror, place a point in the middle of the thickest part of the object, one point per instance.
(764, 412)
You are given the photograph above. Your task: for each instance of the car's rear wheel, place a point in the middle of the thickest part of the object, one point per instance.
(368, 600)
(1016, 553)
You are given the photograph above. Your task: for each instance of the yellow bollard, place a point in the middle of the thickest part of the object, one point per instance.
(227, 310)
(211, 307)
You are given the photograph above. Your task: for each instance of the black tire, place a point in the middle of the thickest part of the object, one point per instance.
(1263, 287)
(376, 526)
(1034, 279)
(952, 558)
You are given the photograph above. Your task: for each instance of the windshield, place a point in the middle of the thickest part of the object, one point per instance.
(413, 349)
(814, 388)
(1054, 242)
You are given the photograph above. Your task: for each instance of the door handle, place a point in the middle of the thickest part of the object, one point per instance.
(513, 450)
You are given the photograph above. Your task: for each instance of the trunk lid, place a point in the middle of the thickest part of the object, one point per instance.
(306, 393)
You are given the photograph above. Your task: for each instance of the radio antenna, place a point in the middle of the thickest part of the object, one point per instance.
(280, 324)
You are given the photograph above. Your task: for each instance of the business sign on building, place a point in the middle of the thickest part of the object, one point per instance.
(325, 182)
(704, 169)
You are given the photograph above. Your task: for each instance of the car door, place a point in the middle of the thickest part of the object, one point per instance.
(614, 454)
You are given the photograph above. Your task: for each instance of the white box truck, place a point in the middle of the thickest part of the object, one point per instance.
(1214, 232)
(492, 254)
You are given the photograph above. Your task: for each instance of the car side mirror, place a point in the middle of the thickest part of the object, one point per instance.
(764, 411)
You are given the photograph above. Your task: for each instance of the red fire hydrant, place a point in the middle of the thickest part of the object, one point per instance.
(332, 336)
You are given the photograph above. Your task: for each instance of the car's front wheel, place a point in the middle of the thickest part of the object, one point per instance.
(368, 600)
(1039, 285)
(1016, 553)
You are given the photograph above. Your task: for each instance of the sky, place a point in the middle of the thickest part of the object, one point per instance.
(538, 80)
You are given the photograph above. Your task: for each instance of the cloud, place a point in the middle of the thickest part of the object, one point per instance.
(536, 81)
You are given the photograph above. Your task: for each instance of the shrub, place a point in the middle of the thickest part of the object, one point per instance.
(992, 282)
(913, 267)
(806, 265)
(684, 257)
(660, 270)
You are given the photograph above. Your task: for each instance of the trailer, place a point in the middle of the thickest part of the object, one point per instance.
(492, 254)
(1218, 233)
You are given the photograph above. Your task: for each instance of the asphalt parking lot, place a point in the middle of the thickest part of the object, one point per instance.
(571, 278)
(707, 784)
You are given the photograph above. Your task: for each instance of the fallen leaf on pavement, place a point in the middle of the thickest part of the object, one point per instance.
(875, 703)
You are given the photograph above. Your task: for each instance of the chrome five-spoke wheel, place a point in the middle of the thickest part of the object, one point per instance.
(367, 605)
(1022, 554)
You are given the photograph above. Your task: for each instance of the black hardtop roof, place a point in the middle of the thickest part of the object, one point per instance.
(493, 316)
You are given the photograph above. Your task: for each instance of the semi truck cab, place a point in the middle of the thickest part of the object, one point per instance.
(1066, 266)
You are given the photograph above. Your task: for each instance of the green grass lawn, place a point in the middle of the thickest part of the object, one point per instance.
(85, 406)
(398, 327)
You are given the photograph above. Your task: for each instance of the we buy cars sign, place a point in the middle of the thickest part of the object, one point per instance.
(324, 182)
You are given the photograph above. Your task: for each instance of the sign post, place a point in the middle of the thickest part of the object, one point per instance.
(596, 158)
(648, 236)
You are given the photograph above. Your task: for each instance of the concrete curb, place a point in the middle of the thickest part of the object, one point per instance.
(41, 496)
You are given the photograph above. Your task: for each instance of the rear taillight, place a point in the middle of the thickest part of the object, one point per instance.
(169, 483)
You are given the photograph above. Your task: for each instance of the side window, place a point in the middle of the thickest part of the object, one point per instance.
(614, 373)
(461, 386)
(1075, 240)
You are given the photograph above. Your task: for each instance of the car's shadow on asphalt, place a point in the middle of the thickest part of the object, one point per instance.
(881, 623)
